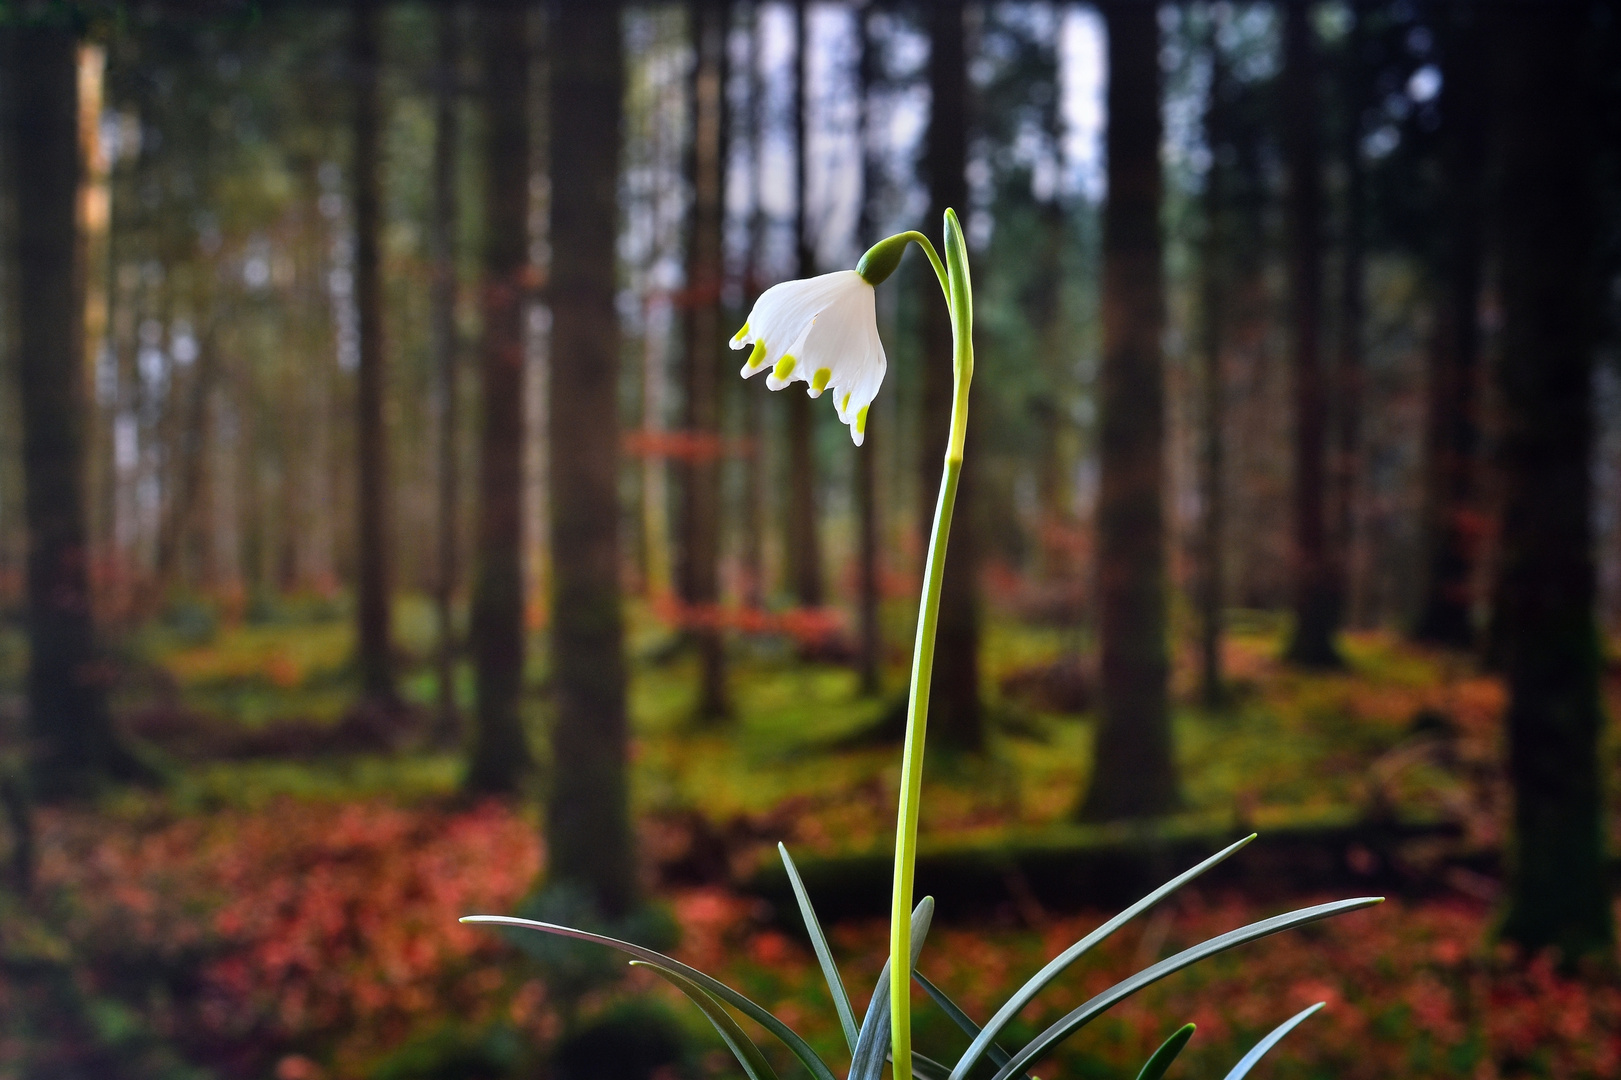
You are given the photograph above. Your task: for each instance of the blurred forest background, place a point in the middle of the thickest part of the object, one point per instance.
(385, 537)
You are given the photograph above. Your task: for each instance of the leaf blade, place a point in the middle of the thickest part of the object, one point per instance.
(824, 955)
(1038, 982)
(1089, 1010)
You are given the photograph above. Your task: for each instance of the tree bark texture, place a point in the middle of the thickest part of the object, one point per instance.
(804, 527)
(1214, 270)
(706, 267)
(1451, 516)
(588, 820)
(75, 744)
(447, 361)
(1133, 774)
(1316, 592)
(1547, 222)
(375, 556)
(956, 716)
(499, 753)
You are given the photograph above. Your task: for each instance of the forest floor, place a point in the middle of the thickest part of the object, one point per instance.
(284, 906)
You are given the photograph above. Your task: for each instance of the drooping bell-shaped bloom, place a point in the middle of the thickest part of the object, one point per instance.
(822, 331)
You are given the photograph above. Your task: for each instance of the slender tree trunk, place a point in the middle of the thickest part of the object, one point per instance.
(500, 756)
(1353, 314)
(1452, 435)
(1316, 599)
(1547, 221)
(956, 719)
(75, 744)
(1214, 271)
(804, 532)
(870, 655)
(374, 564)
(588, 822)
(1133, 774)
(442, 299)
(706, 267)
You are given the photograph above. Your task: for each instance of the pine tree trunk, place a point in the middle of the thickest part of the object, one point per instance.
(1213, 306)
(75, 744)
(500, 756)
(804, 532)
(1547, 222)
(588, 821)
(1447, 616)
(700, 517)
(1316, 594)
(1133, 774)
(374, 562)
(442, 299)
(956, 718)
(870, 646)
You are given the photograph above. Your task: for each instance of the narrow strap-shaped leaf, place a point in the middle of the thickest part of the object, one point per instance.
(872, 1043)
(824, 955)
(1055, 967)
(1126, 987)
(799, 1047)
(1161, 1059)
(1247, 1062)
(960, 1018)
(742, 1047)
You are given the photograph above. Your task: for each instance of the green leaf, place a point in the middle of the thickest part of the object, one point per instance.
(1161, 1059)
(799, 1047)
(960, 1018)
(824, 955)
(1125, 988)
(742, 1047)
(873, 1042)
(1247, 1062)
(1056, 966)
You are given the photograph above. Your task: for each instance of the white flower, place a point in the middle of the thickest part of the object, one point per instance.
(822, 331)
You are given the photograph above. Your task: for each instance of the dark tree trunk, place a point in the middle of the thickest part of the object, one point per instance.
(1133, 774)
(956, 719)
(1450, 513)
(700, 490)
(1214, 271)
(588, 820)
(1316, 593)
(75, 744)
(1547, 221)
(1353, 313)
(870, 647)
(374, 562)
(804, 532)
(442, 248)
(500, 755)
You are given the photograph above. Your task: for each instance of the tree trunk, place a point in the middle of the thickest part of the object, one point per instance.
(588, 822)
(374, 562)
(706, 267)
(870, 646)
(1214, 270)
(804, 533)
(1353, 313)
(500, 756)
(1450, 513)
(75, 744)
(1547, 221)
(956, 719)
(442, 300)
(1133, 774)
(1316, 594)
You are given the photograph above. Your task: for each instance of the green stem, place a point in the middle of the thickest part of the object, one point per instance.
(954, 282)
